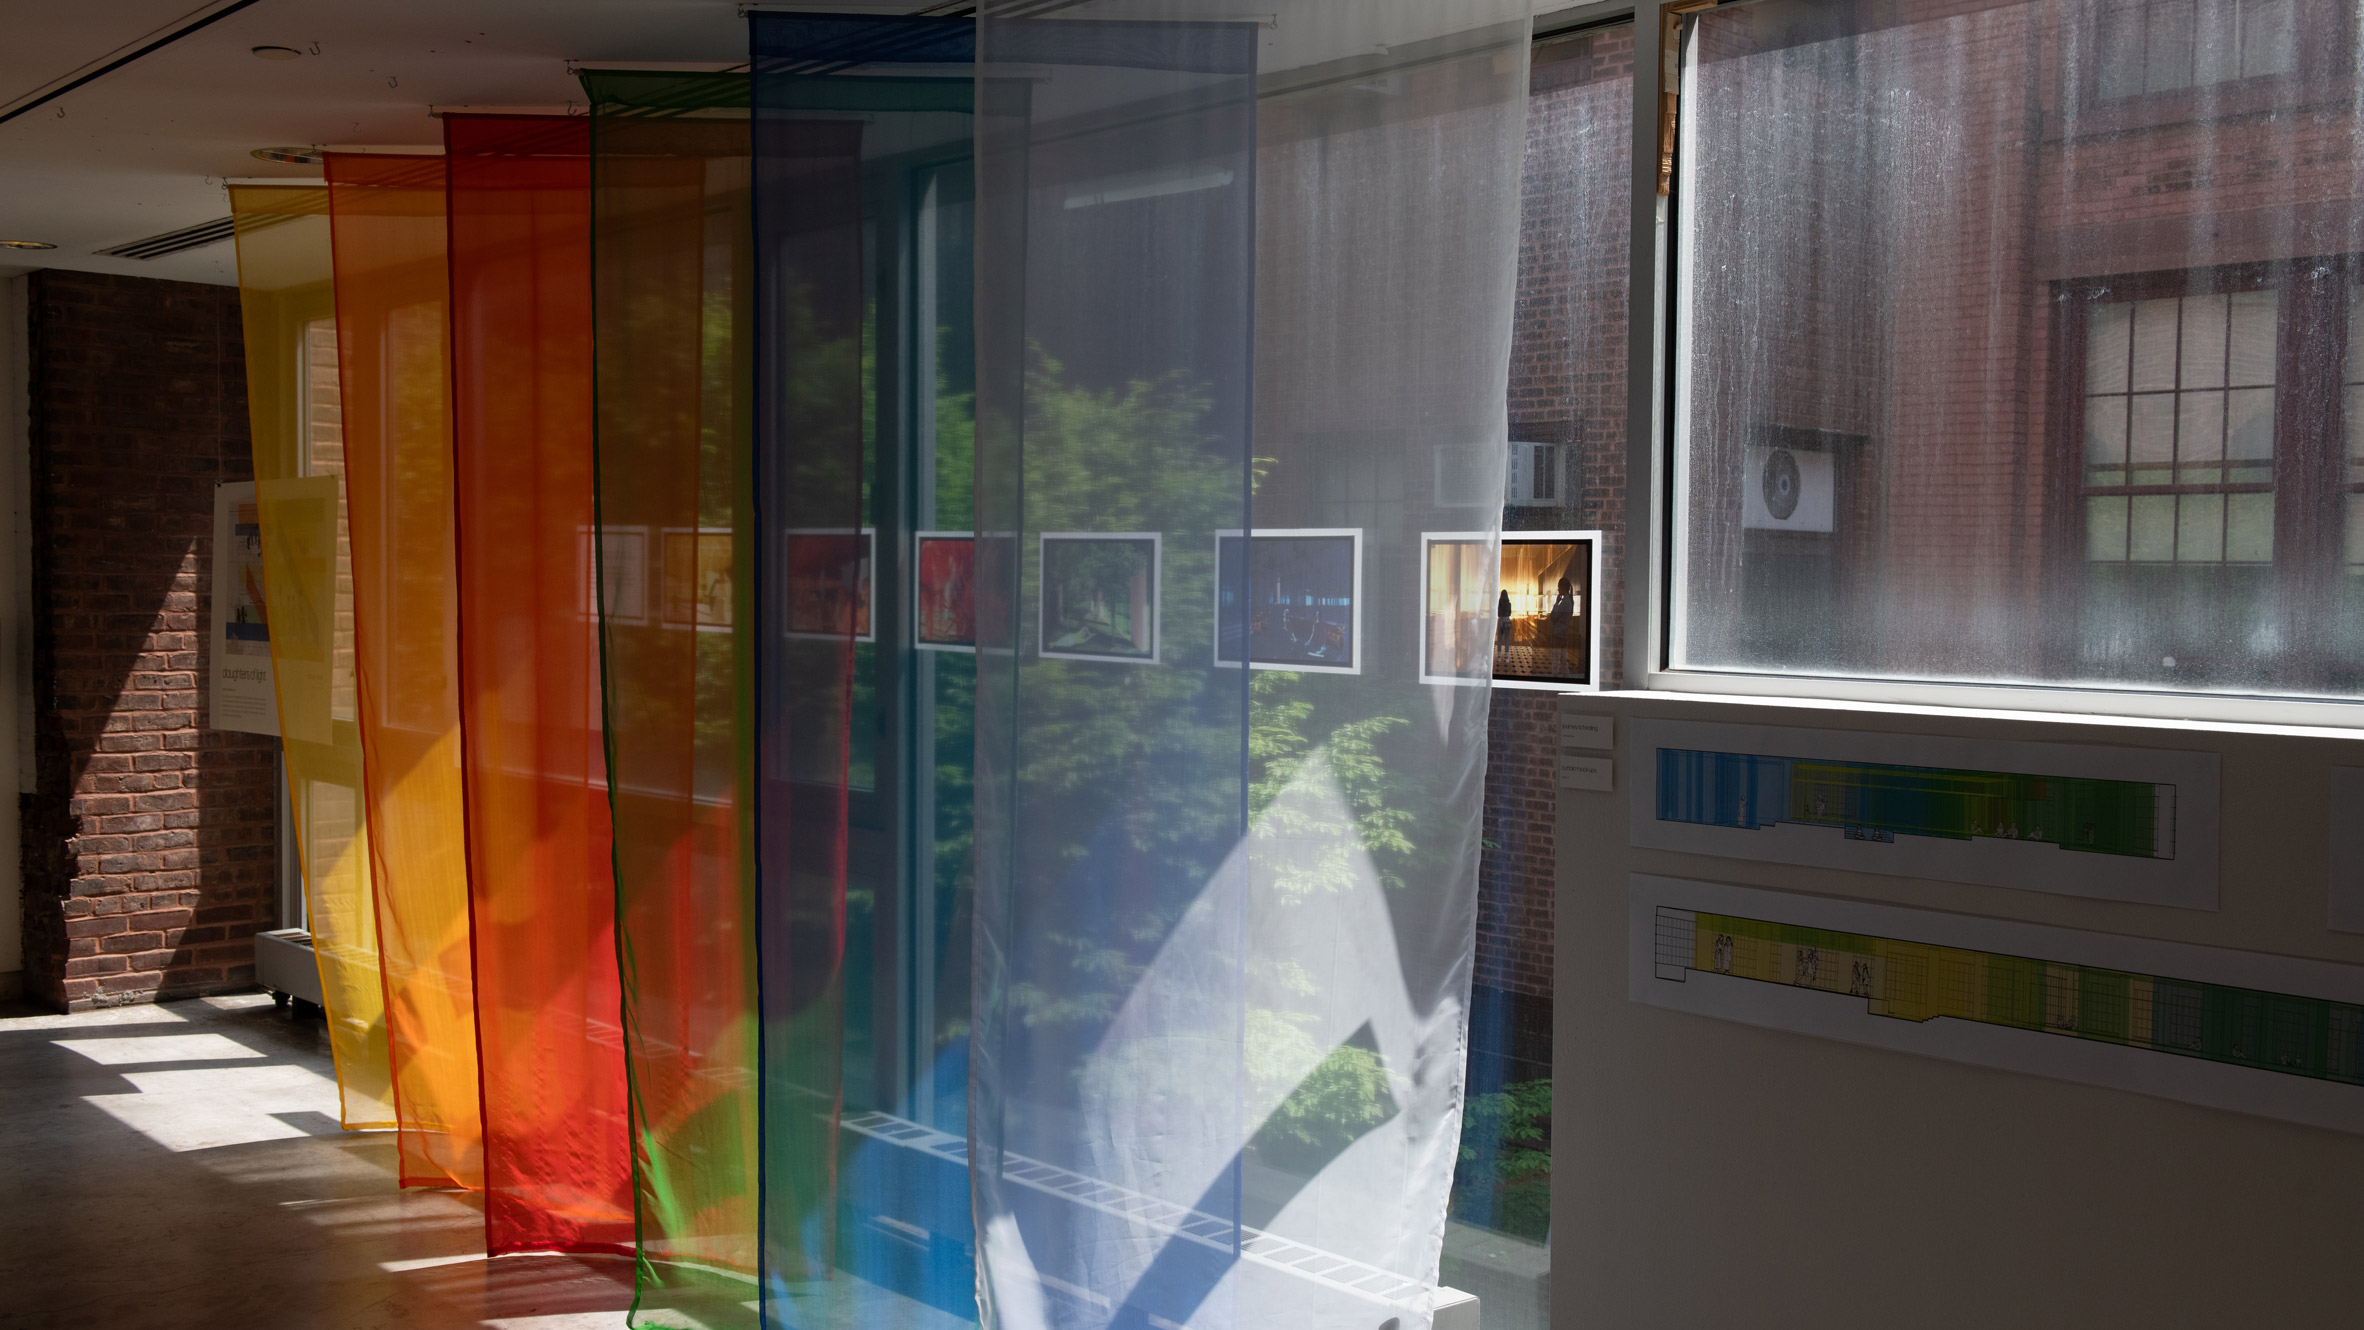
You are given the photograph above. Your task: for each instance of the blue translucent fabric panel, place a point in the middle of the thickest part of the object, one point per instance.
(865, 1215)
(1244, 295)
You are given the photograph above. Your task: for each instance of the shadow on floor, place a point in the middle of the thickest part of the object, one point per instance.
(181, 1166)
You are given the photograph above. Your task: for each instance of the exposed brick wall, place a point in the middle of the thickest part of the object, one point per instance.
(1567, 386)
(1514, 941)
(149, 841)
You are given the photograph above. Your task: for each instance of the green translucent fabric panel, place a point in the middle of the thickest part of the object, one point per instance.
(862, 134)
(671, 300)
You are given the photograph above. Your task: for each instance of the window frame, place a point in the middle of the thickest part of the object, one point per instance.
(1654, 520)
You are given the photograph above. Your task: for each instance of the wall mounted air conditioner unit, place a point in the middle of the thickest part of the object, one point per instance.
(1534, 476)
(1787, 489)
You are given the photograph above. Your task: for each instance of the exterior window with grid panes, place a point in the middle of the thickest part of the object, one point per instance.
(2217, 419)
(2168, 46)
(2179, 429)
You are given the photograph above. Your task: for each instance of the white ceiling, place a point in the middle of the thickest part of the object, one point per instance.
(145, 149)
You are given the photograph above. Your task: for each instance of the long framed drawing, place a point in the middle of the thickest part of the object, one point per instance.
(1290, 599)
(2108, 822)
(826, 583)
(944, 591)
(2277, 1036)
(1100, 593)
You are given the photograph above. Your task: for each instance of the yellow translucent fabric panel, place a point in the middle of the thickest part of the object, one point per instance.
(386, 217)
(289, 311)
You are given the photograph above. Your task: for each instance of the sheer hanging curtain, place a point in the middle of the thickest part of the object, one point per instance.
(1244, 311)
(557, 1161)
(288, 309)
(671, 289)
(387, 224)
(861, 126)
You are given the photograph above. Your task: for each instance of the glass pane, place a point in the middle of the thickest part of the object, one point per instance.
(2355, 529)
(2170, 50)
(2249, 431)
(2154, 343)
(2202, 362)
(2199, 438)
(2105, 529)
(2216, 53)
(2251, 337)
(2151, 437)
(2199, 528)
(2151, 537)
(2269, 37)
(2249, 528)
(2107, 328)
(1852, 264)
(2105, 441)
(2121, 57)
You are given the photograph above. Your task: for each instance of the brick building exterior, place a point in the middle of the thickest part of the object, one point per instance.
(149, 841)
(1567, 387)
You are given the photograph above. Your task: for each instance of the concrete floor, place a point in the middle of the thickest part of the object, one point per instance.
(180, 1166)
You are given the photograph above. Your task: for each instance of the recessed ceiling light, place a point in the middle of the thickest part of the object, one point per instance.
(289, 156)
(26, 244)
(276, 53)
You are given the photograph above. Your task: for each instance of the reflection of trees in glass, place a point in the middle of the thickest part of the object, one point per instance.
(1504, 1181)
(1119, 763)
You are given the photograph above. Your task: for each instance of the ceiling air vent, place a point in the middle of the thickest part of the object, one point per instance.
(173, 242)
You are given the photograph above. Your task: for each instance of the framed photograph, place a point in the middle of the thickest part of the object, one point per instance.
(1297, 605)
(1547, 630)
(244, 696)
(697, 588)
(944, 591)
(1456, 613)
(618, 554)
(827, 583)
(1100, 595)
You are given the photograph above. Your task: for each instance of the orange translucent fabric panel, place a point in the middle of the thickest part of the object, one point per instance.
(387, 221)
(557, 1149)
(289, 312)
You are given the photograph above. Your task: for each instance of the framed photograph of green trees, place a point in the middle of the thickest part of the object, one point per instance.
(1100, 595)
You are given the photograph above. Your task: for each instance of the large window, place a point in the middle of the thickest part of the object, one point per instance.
(2015, 344)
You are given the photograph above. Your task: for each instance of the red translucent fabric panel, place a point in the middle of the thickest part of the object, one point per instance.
(558, 1165)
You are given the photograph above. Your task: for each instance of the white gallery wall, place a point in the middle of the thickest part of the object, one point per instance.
(1715, 1163)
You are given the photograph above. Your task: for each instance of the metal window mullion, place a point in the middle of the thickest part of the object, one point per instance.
(1648, 593)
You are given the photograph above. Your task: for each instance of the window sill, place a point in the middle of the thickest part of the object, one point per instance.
(2323, 718)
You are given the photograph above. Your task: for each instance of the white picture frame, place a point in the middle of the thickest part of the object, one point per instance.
(1354, 649)
(866, 612)
(1045, 590)
(919, 639)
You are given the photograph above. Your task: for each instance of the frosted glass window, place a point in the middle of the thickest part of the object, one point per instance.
(2079, 391)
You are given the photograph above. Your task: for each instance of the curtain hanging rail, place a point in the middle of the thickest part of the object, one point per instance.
(157, 41)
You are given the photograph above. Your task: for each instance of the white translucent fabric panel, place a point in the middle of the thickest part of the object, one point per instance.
(2054, 294)
(1244, 299)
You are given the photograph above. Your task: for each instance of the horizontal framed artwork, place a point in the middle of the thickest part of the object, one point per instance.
(1290, 599)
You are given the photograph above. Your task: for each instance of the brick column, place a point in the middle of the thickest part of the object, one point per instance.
(149, 840)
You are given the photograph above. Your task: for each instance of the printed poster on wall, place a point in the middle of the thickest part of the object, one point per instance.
(242, 696)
